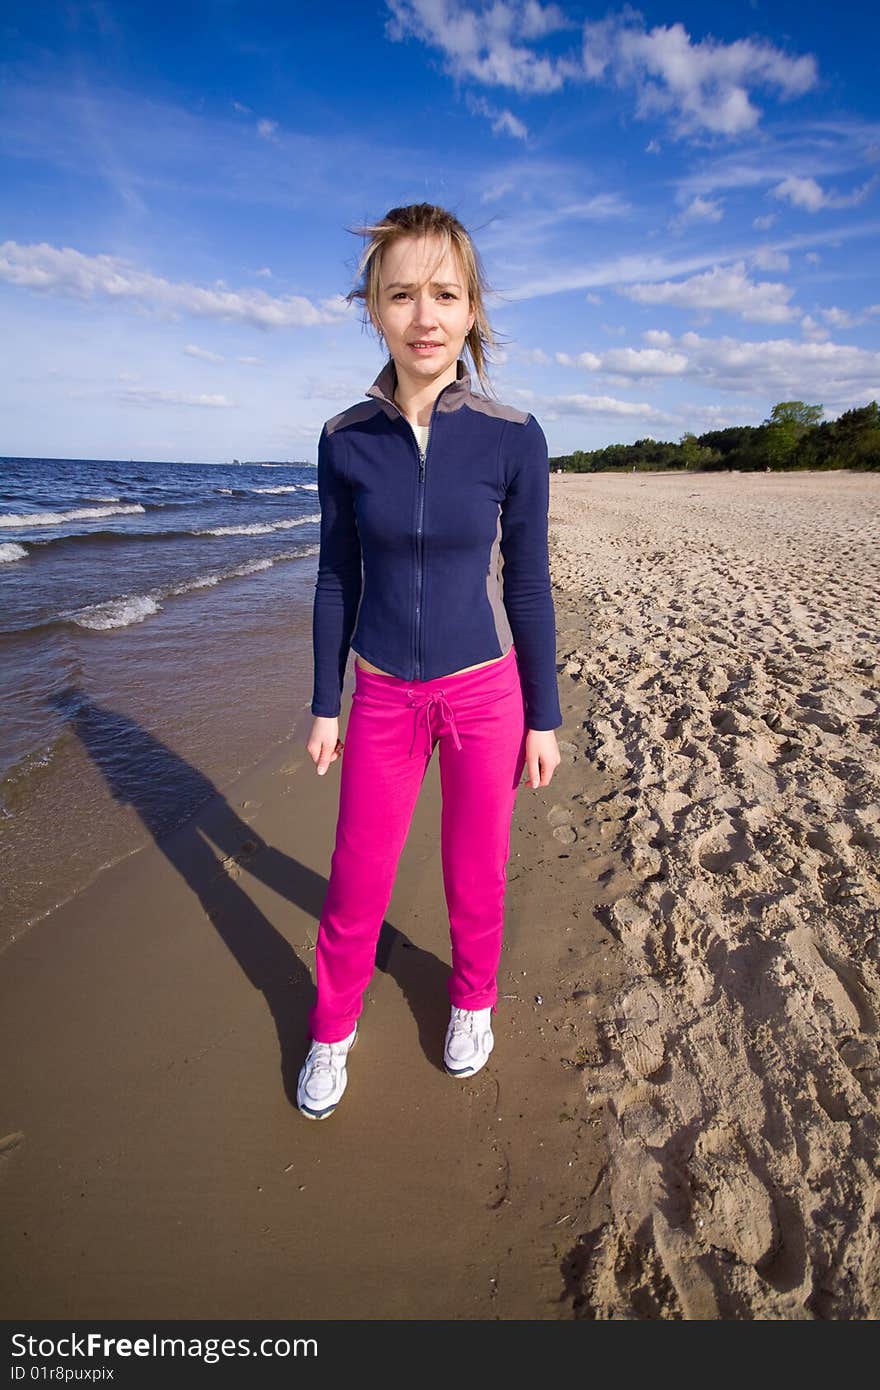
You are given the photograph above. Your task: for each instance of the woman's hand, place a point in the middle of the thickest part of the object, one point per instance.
(324, 743)
(542, 757)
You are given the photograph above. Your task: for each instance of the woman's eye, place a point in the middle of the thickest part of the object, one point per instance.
(444, 294)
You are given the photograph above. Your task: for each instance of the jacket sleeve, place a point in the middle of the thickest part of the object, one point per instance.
(528, 600)
(338, 585)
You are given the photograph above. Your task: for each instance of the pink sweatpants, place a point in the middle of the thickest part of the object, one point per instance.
(478, 718)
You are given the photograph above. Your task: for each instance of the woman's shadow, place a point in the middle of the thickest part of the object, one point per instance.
(201, 835)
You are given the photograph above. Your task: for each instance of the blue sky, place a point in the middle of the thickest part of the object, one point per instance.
(678, 207)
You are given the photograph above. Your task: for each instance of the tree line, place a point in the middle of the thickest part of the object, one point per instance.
(793, 436)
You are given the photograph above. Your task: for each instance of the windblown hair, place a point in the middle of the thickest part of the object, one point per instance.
(424, 219)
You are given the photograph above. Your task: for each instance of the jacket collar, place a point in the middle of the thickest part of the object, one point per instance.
(453, 395)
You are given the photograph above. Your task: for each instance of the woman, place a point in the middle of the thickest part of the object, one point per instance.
(434, 571)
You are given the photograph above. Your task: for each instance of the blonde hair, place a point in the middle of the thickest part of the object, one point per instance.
(424, 219)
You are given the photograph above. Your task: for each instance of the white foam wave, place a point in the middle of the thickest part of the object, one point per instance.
(134, 608)
(206, 581)
(10, 551)
(292, 487)
(308, 487)
(105, 499)
(257, 528)
(75, 514)
(117, 612)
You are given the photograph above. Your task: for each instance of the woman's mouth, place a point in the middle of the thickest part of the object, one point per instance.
(425, 347)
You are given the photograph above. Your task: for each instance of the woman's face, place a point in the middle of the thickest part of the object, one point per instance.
(424, 321)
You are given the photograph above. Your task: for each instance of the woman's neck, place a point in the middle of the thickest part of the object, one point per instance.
(415, 399)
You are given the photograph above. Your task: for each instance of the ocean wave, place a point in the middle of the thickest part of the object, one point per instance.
(53, 544)
(20, 772)
(287, 487)
(9, 550)
(116, 612)
(135, 608)
(207, 581)
(248, 491)
(258, 528)
(103, 499)
(74, 514)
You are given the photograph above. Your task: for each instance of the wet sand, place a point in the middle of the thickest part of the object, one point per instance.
(680, 1118)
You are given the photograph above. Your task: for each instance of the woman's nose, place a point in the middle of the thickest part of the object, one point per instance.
(424, 310)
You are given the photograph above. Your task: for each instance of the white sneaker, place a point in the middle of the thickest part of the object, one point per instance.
(323, 1077)
(469, 1041)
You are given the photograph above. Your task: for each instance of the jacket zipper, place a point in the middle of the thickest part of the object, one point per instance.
(420, 539)
(423, 458)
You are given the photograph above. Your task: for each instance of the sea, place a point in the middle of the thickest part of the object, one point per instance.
(155, 643)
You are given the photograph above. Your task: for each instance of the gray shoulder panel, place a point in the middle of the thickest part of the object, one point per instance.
(364, 410)
(497, 409)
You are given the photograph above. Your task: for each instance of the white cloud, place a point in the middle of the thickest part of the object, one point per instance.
(765, 222)
(643, 362)
(803, 193)
(63, 271)
(593, 298)
(698, 210)
(503, 185)
(838, 375)
(813, 330)
(565, 278)
(203, 354)
(537, 356)
(240, 107)
(720, 288)
(629, 362)
(703, 85)
(546, 203)
(579, 404)
(838, 318)
(599, 208)
(489, 44)
(506, 123)
(503, 122)
(264, 272)
(142, 396)
(557, 276)
(590, 360)
(250, 361)
(768, 258)
(808, 194)
(657, 337)
(718, 417)
(266, 128)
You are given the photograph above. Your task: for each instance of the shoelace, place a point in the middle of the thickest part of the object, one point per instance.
(323, 1057)
(463, 1021)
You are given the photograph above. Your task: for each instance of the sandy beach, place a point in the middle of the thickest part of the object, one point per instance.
(680, 1118)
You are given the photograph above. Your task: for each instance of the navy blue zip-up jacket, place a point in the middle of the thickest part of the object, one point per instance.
(433, 562)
